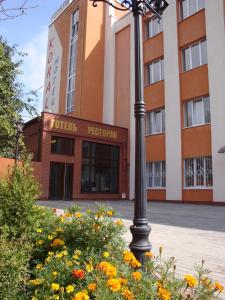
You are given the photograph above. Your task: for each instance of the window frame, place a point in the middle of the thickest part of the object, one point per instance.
(190, 55)
(149, 27)
(150, 176)
(199, 8)
(71, 73)
(203, 100)
(62, 138)
(195, 173)
(162, 121)
(151, 70)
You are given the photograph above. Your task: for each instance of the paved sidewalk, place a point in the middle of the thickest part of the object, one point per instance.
(188, 232)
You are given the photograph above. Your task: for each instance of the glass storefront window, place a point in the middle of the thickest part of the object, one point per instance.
(100, 168)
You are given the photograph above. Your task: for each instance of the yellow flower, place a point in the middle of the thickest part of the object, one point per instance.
(130, 259)
(68, 215)
(39, 230)
(190, 280)
(218, 287)
(78, 214)
(39, 266)
(92, 287)
(109, 213)
(59, 229)
(36, 281)
(137, 276)
(123, 281)
(69, 263)
(163, 293)
(69, 289)
(149, 254)
(114, 284)
(56, 297)
(64, 252)
(89, 267)
(77, 252)
(128, 295)
(55, 286)
(105, 254)
(119, 222)
(50, 237)
(83, 295)
(54, 273)
(107, 268)
(34, 298)
(40, 242)
(50, 253)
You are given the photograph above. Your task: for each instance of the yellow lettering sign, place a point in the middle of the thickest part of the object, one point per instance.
(64, 125)
(107, 133)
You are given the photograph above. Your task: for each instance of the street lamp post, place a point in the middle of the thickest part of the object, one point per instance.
(141, 228)
(19, 131)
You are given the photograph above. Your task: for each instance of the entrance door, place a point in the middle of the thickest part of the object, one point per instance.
(61, 181)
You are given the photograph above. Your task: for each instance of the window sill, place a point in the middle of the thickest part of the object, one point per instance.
(194, 126)
(156, 188)
(184, 72)
(198, 188)
(151, 84)
(152, 37)
(153, 134)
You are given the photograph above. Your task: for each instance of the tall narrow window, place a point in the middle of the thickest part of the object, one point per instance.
(194, 55)
(72, 63)
(198, 172)
(156, 174)
(155, 121)
(155, 71)
(197, 112)
(154, 26)
(190, 7)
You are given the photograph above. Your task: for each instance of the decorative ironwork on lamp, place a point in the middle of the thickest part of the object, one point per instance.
(141, 228)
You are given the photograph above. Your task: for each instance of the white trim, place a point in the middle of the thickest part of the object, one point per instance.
(215, 30)
(172, 105)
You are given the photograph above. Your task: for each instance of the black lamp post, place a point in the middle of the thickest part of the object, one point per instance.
(19, 131)
(141, 228)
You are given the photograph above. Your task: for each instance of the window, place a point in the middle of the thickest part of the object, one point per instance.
(155, 121)
(194, 55)
(100, 168)
(61, 145)
(198, 172)
(190, 7)
(72, 63)
(197, 112)
(156, 174)
(155, 71)
(154, 26)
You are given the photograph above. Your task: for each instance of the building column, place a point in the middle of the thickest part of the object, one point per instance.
(172, 104)
(109, 67)
(215, 35)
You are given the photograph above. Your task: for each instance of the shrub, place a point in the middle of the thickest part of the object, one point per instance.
(18, 193)
(14, 258)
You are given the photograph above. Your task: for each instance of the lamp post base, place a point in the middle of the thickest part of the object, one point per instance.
(140, 244)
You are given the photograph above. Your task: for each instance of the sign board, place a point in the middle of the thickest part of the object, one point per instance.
(52, 72)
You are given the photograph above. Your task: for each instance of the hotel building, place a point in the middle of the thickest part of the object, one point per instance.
(85, 137)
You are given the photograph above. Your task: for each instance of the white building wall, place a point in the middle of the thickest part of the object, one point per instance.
(215, 32)
(172, 105)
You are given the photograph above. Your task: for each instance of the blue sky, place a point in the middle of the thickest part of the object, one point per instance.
(30, 33)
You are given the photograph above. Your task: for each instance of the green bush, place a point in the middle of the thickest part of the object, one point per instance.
(18, 193)
(14, 258)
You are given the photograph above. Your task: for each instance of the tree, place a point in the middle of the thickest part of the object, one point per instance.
(13, 97)
(9, 11)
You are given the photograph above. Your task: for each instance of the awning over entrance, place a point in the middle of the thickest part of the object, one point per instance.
(222, 150)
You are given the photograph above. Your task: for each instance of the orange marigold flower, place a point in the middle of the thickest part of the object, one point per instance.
(163, 293)
(123, 281)
(92, 287)
(129, 258)
(114, 284)
(119, 222)
(137, 276)
(79, 274)
(128, 295)
(107, 268)
(190, 280)
(109, 213)
(149, 254)
(57, 242)
(218, 287)
(78, 214)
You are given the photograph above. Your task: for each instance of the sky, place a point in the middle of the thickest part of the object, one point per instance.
(30, 33)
